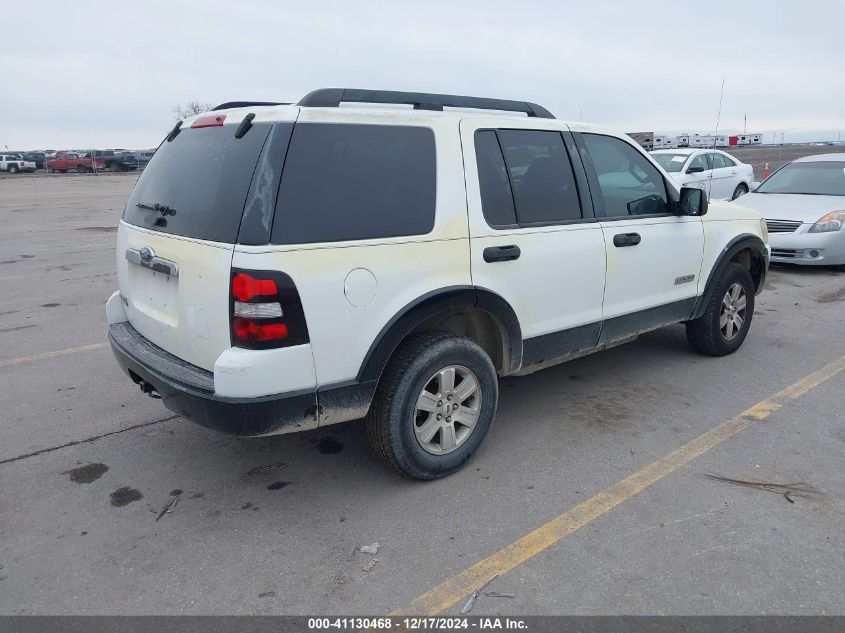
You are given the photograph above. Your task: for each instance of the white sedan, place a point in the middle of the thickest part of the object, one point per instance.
(719, 174)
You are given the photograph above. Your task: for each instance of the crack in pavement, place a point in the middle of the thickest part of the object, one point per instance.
(85, 441)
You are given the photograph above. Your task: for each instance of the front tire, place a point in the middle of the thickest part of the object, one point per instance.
(724, 325)
(114, 167)
(80, 169)
(434, 405)
(741, 190)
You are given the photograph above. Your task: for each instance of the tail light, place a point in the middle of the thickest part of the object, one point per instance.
(265, 310)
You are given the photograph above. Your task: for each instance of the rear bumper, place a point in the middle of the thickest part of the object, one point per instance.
(189, 391)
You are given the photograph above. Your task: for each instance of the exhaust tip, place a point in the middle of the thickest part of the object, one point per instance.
(148, 389)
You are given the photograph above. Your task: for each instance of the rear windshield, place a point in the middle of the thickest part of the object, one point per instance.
(199, 182)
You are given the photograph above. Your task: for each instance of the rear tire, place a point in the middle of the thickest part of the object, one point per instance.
(50, 170)
(13, 169)
(741, 190)
(408, 423)
(727, 316)
(114, 167)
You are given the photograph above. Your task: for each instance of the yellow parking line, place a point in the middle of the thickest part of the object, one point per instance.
(61, 352)
(450, 591)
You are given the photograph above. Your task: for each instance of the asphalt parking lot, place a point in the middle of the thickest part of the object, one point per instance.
(591, 495)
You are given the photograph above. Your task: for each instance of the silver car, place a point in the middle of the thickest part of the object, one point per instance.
(803, 203)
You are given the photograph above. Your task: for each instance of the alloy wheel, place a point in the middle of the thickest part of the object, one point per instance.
(447, 410)
(733, 313)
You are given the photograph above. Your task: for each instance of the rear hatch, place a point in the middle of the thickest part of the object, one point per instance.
(175, 243)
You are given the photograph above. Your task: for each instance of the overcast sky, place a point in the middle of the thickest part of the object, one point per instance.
(80, 74)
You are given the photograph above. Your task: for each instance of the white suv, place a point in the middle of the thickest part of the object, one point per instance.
(286, 267)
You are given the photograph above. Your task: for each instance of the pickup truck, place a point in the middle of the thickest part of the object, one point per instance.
(13, 164)
(74, 161)
(115, 160)
(36, 157)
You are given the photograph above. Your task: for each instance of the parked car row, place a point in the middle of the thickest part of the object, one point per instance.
(75, 160)
(101, 160)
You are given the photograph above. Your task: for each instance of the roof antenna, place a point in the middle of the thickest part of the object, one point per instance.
(719, 113)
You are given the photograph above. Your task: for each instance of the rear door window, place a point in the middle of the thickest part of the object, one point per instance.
(525, 178)
(718, 161)
(352, 182)
(201, 177)
(493, 181)
(541, 176)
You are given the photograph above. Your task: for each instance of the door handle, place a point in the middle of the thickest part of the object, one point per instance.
(501, 253)
(626, 239)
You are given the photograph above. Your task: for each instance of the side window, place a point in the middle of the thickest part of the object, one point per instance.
(629, 183)
(699, 161)
(493, 182)
(541, 176)
(349, 182)
(729, 162)
(718, 161)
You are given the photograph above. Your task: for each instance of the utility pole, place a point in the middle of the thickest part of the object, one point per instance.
(744, 123)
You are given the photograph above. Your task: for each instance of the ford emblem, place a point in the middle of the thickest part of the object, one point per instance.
(146, 254)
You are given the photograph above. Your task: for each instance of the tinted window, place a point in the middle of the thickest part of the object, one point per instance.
(629, 183)
(203, 175)
(541, 176)
(729, 162)
(496, 196)
(348, 182)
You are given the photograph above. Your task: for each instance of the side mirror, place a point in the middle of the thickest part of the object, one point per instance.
(692, 202)
(695, 170)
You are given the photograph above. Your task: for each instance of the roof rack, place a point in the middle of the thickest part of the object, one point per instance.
(245, 104)
(332, 98)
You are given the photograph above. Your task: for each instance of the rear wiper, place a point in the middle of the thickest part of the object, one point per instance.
(161, 208)
(175, 131)
(245, 125)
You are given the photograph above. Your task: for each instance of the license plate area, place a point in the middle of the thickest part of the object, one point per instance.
(154, 295)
